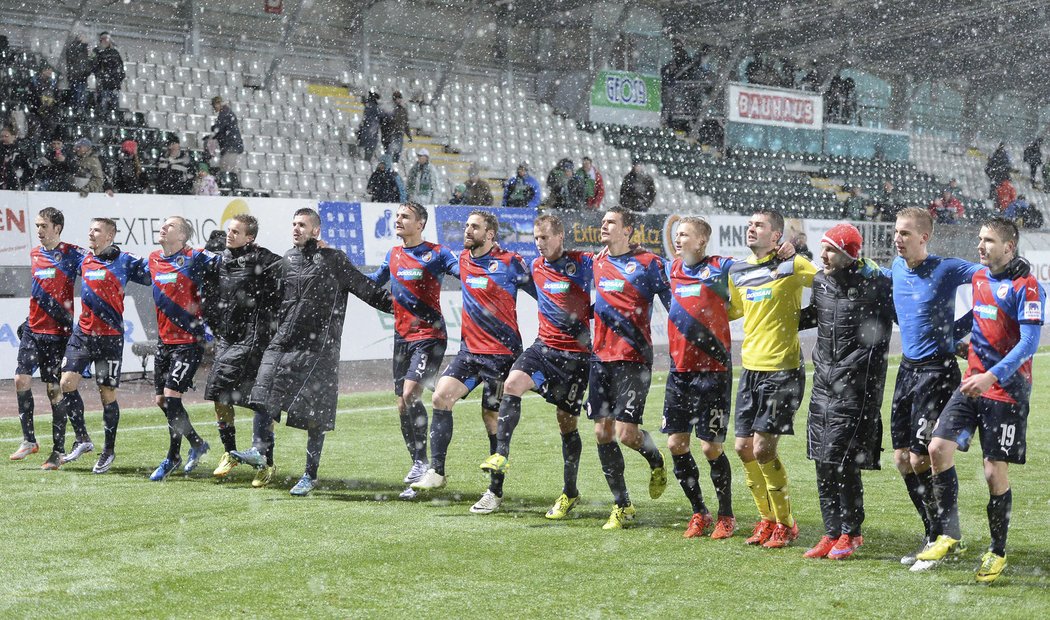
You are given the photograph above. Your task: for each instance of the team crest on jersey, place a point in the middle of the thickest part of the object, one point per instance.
(180, 261)
(570, 268)
(427, 256)
(45, 274)
(759, 294)
(95, 274)
(611, 286)
(410, 274)
(706, 273)
(986, 311)
(630, 267)
(1033, 310)
(493, 266)
(1004, 288)
(478, 282)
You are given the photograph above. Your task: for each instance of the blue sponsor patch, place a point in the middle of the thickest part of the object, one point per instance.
(45, 274)
(986, 311)
(611, 286)
(95, 274)
(410, 274)
(758, 294)
(166, 278)
(556, 287)
(688, 290)
(478, 282)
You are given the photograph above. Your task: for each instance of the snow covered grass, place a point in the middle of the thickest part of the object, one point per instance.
(120, 546)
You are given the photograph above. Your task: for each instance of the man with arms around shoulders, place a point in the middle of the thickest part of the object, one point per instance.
(769, 293)
(993, 398)
(556, 366)
(55, 265)
(415, 270)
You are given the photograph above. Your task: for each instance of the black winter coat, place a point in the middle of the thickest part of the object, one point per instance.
(300, 368)
(242, 312)
(227, 132)
(108, 68)
(854, 318)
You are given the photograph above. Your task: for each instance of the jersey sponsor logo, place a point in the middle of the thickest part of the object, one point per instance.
(478, 282)
(570, 269)
(611, 286)
(410, 274)
(1033, 310)
(986, 311)
(556, 287)
(493, 266)
(758, 294)
(630, 267)
(1004, 288)
(44, 274)
(166, 278)
(688, 290)
(95, 274)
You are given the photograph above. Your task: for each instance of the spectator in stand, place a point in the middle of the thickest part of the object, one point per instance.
(593, 184)
(1033, 156)
(564, 188)
(385, 185)
(1005, 193)
(52, 170)
(522, 189)
(887, 203)
(78, 69)
(478, 193)
(395, 128)
(677, 69)
(108, 68)
(85, 167)
(998, 167)
(953, 187)
(43, 103)
(800, 241)
(855, 209)
(459, 195)
(15, 171)
(227, 133)
(127, 172)
(946, 208)
(638, 191)
(1024, 214)
(423, 180)
(368, 130)
(205, 184)
(174, 172)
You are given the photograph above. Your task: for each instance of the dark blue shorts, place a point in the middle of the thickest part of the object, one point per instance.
(1003, 426)
(698, 400)
(43, 351)
(560, 376)
(105, 352)
(766, 401)
(418, 361)
(921, 392)
(175, 365)
(473, 369)
(618, 390)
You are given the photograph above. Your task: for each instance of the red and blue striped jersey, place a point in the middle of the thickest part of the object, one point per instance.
(698, 319)
(415, 275)
(563, 298)
(102, 281)
(51, 300)
(177, 281)
(490, 291)
(1000, 307)
(625, 287)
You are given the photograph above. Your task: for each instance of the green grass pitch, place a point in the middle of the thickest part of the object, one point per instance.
(120, 546)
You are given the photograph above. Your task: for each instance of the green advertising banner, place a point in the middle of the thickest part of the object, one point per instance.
(626, 98)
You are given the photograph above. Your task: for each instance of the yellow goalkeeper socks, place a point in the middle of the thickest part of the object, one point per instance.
(776, 480)
(756, 483)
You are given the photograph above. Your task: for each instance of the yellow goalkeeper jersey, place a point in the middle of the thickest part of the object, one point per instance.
(770, 295)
